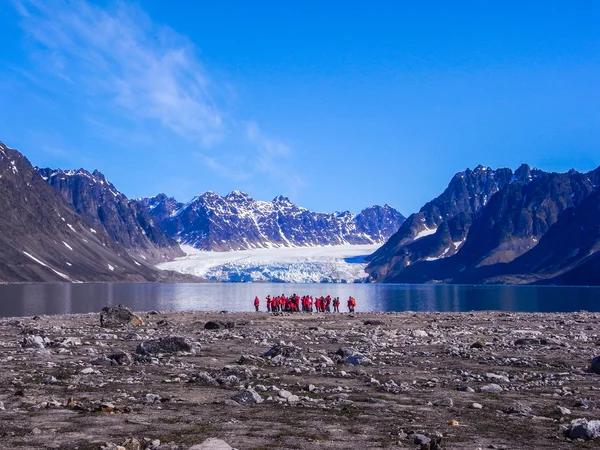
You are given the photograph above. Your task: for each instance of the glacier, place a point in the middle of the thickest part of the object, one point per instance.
(319, 264)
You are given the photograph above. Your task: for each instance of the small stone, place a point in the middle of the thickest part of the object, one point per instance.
(247, 397)
(519, 409)
(420, 439)
(476, 406)
(444, 401)
(562, 410)
(420, 333)
(49, 379)
(493, 388)
(87, 371)
(36, 431)
(466, 389)
(212, 444)
(477, 344)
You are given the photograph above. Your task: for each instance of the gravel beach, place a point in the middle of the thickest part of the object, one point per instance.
(173, 380)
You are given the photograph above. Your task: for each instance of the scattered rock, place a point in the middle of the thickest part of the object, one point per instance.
(374, 322)
(247, 397)
(212, 444)
(519, 409)
(115, 316)
(218, 325)
(582, 429)
(492, 387)
(165, 345)
(420, 333)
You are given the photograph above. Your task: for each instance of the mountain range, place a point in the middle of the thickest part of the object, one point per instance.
(488, 226)
(42, 238)
(500, 226)
(238, 222)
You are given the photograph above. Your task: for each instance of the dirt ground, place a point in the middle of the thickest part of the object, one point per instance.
(333, 381)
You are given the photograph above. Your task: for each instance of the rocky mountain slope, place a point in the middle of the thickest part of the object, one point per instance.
(43, 239)
(238, 222)
(125, 221)
(487, 227)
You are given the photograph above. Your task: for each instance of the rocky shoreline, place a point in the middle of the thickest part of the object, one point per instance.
(202, 380)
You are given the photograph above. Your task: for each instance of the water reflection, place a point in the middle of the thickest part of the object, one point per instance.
(62, 298)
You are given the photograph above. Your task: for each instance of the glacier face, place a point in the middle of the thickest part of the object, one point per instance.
(328, 264)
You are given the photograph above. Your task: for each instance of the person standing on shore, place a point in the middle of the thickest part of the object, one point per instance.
(336, 304)
(269, 303)
(256, 303)
(351, 304)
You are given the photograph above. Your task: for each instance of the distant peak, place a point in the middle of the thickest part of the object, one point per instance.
(281, 199)
(237, 196)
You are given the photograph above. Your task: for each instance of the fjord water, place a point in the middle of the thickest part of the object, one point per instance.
(66, 298)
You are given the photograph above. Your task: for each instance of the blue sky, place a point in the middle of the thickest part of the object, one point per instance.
(338, 105)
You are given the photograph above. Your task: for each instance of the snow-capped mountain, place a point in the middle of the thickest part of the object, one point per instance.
(96, 199)
(487, 227)
(43, 239)
(238, 222)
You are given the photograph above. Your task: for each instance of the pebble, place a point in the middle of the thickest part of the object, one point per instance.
(493, 388)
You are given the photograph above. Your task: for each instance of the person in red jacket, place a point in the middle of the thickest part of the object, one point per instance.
(269, 303)
(256, 303)
(351, 304)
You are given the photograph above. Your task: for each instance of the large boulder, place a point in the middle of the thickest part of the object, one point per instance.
(169, 344)
(595, 365)
(116, 316)
(582, 429)
(218, 325)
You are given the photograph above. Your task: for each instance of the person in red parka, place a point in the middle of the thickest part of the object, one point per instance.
(256, 303)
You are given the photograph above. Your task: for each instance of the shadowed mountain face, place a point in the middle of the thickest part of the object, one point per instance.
(43, 239)
(125, 221)
(494, 227)
(238, 222)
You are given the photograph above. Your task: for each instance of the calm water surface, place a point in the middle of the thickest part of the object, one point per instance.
(63, 298)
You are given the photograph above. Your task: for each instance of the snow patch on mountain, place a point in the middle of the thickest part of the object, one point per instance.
(328, 264)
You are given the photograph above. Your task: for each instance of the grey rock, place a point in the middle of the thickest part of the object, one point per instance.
(169, 344)
(519, 409)
(218, 325)
(444, 401)
(203, 378)
(247, 397)
(212, 444)
(582, 429)
(34, 342)
(286, 351)
(496, 378)
(476, 406)
(420, 439)
(115, 316)
(492, 387)
(121, 358)
(466, 389)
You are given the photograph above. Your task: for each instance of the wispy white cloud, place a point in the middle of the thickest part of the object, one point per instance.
(147, 70)
(150, 75)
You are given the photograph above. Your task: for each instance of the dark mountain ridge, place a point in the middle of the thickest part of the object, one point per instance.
(126, 221)
(43, 239)
(484, 231)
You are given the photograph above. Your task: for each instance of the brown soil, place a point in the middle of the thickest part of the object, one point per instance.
(347, 407)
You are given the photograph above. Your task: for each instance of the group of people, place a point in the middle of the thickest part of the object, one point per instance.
(307, 303)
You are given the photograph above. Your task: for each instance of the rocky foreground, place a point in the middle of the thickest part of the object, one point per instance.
(200, 380)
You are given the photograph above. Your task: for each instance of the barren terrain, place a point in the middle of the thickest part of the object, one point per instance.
(316, 381)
